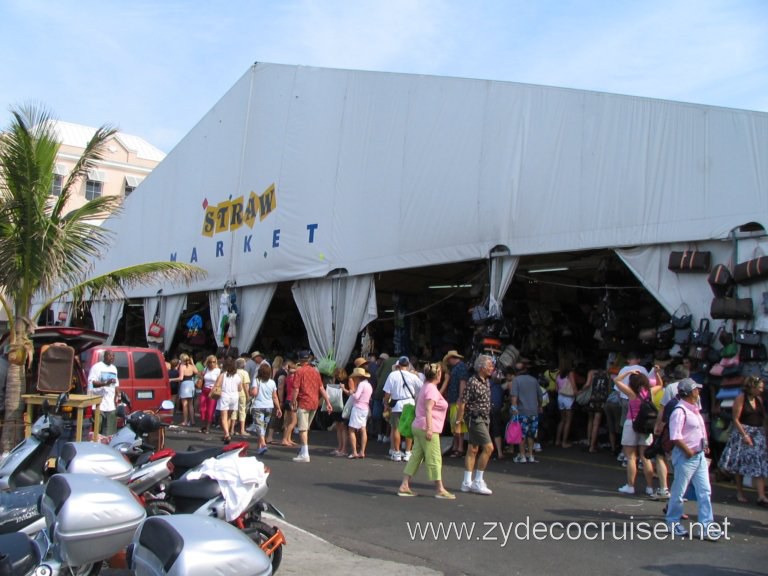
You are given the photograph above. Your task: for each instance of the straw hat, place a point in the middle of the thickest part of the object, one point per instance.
(359, 373)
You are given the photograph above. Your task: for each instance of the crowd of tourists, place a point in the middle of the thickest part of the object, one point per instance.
(652, 419)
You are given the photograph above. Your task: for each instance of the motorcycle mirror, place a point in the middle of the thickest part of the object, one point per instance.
(120, 412)
(166, 405)
(124, 399)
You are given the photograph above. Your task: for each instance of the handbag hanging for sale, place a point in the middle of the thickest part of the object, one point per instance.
(684, 319)
(753, 353)
(689, 261)
(721, 281)
(747, 337)
(733, 308)
(702, 336)
(751, 270)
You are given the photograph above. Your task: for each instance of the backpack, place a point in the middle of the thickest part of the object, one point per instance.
(645, 421)
(601, 387)
(666, 443)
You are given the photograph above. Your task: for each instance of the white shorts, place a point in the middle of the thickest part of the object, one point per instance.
(228, 401)
(564, 402)
(187, 389)
(358, 417)
(631, 438)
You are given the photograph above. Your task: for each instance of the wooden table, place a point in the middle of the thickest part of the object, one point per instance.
(77, 401)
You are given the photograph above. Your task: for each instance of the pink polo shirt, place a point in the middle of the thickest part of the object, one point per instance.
(430, 392)
(686, 424)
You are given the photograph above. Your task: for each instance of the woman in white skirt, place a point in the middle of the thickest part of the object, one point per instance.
(188, 373)
(231, 383)
(359, 416)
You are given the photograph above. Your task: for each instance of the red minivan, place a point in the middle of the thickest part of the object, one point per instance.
(142, 373)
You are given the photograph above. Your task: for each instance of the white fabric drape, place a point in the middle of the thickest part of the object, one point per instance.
(253, 303)
(649, 265)
(502, 271)
(105, 315)
(150, 309)
(334, 311)
(170, 312)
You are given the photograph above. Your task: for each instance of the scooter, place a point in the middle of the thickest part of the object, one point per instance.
(131, 438)
(26, 464)
(88, 520)
(20, 511)
(188, 545)
(203, 496)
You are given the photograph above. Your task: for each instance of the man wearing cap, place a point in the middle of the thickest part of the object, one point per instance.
(688, 433)
(307, 390)
(401, 388)
(452, 390)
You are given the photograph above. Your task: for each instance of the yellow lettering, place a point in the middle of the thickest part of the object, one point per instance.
(209, 221)
(222, 216)
(251, 210)
(267, 202)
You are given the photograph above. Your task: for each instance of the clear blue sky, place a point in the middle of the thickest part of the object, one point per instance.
(155, 67)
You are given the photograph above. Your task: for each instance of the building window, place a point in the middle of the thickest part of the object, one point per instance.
(131, 182)
(93, 189)
(57, 185)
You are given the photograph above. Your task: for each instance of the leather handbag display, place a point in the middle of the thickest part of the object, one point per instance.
(731, 308)
(747, 337)
(753, 353)
(683, 336)
(702, 336)
(684, 319)
(665, 335)
(751, 270)
(720, 281)
(689, 261)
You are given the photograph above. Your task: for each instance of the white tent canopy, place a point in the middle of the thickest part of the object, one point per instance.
(279, 180)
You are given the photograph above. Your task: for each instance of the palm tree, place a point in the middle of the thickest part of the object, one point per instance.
(48, 253)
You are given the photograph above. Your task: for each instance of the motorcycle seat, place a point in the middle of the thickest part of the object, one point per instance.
(20, 508)
(18, 554)
(202, 489)
(162, 540)
(187, 460)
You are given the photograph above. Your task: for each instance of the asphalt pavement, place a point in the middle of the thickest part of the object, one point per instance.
(344, 516)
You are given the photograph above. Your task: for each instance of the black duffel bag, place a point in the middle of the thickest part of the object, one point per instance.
(731, 308)
(747, 337)
(689, 261)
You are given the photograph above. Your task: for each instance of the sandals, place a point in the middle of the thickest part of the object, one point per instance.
(762, 503)
(352, 457)
(445, 495)
(227, 439)
(406, 493)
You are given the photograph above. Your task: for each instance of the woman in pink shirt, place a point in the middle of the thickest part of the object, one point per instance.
(359, 415)
(431, 409)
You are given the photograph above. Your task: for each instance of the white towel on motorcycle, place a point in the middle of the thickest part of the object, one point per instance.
(238, 478)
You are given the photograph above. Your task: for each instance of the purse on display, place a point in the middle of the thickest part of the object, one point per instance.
(720, 281)
(751, 270)
(753, 353)
(684, 319)
(702, 336)
(689, 261)
(731, 308)
(747, 337)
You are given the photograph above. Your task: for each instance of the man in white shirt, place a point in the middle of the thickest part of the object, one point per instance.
(402, 387)
(102, 381)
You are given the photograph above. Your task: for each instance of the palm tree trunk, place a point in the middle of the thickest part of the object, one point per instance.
(13, 423)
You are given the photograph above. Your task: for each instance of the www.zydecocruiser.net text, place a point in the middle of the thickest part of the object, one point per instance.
(528, 530)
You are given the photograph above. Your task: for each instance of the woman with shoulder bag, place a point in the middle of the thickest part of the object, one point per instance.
(206, 382)
(188, 373)
(431, 410)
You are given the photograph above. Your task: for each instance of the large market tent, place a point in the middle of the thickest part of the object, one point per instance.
(271, 184)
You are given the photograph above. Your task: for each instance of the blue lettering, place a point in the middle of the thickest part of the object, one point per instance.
(219, 248)
(194, 255)
(311, 228)
(173, 257)
(276, 238)
(247, 243)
